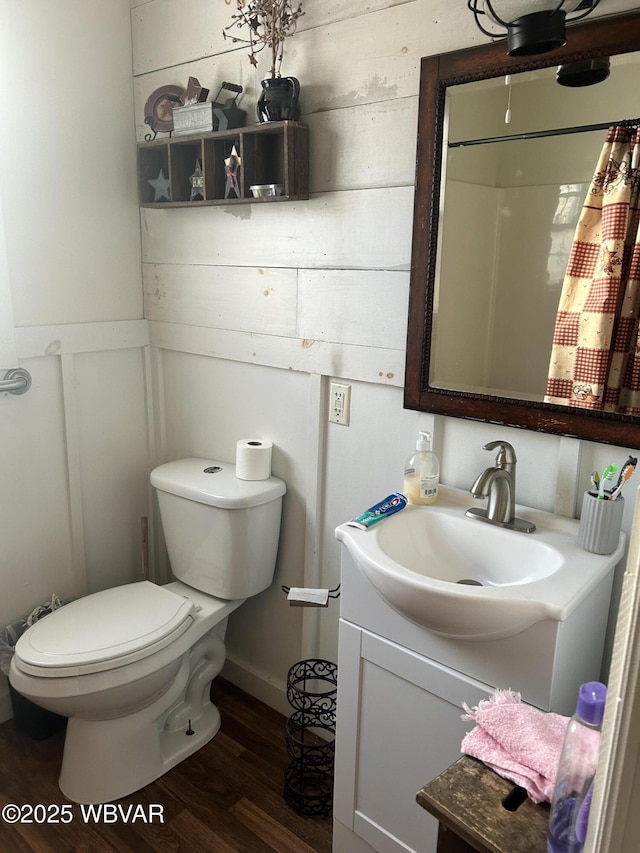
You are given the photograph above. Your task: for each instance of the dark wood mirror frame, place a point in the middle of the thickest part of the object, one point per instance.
(603, 37)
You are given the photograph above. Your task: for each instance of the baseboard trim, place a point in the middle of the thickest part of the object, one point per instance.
(257, 685)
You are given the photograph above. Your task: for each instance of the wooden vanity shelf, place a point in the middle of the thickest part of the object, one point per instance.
(270, 153)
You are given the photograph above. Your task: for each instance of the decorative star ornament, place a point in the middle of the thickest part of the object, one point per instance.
(197, 184)
(233, 158)
(231, 169)
(161, 187)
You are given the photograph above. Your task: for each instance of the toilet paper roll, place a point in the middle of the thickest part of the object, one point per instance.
(253, 459)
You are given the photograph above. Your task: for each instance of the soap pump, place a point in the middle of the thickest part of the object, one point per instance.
(422, 472)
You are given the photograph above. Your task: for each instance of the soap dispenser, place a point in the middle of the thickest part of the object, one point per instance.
(422, 473)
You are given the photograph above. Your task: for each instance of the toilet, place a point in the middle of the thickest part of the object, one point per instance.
(131, 667)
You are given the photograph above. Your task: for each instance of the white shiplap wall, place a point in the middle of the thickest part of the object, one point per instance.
(292, 295)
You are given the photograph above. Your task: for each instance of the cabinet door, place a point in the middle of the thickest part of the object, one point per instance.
(398, 728)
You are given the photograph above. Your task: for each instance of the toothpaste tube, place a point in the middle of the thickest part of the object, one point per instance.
(392, 503)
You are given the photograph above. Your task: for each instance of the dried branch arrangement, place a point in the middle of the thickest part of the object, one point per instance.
(269, 23)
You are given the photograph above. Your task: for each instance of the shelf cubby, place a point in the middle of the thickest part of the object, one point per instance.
(270, 153)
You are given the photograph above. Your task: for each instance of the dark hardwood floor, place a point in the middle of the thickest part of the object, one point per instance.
(226, 798)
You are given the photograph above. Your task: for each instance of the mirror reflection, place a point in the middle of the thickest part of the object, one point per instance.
(508, 215)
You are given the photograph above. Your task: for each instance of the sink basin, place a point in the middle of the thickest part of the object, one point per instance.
(463, 578)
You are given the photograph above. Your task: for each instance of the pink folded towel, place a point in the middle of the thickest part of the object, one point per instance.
(518, 741)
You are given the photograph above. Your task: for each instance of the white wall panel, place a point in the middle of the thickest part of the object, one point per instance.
(370, 364)
(170, 32)
(373, 145)
(68, 180)
(114, 466)
(8, 357)
(341, 230)
(248, 299)
(196, 27)
(34, 500)
(33, 341)
(363, 307)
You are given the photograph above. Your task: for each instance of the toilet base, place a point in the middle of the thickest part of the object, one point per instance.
(105, 760)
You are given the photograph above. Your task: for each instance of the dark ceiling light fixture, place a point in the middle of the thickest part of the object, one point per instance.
(530, 27)
(587, 73)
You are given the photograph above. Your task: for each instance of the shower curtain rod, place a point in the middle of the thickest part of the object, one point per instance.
(537, 134)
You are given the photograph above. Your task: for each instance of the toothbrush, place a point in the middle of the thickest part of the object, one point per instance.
(595, 481)
(607, 474)
(625, 474)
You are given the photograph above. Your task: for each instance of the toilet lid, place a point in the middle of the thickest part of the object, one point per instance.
(104, 630)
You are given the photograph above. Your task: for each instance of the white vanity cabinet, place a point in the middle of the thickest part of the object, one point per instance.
(399, 705)
(399, 726)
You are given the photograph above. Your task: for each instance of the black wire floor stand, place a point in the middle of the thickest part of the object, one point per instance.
(312, 687)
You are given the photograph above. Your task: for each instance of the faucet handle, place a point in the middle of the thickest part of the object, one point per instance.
(506, 454)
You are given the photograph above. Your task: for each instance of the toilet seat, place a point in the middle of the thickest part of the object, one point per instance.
(104, 630)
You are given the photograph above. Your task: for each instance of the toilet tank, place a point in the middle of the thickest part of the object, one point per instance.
(221, 532)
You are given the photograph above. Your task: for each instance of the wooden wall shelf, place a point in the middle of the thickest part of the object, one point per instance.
(270, 153)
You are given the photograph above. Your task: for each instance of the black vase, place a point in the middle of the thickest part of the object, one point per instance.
(279, 99)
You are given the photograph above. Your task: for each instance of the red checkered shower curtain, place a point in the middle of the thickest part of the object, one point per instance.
(595, 358)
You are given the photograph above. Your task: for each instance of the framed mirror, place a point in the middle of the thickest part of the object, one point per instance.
(504, 161)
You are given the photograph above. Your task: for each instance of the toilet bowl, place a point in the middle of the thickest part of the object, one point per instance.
(131, 667)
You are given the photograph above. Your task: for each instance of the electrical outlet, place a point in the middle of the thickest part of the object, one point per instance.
(339, 403)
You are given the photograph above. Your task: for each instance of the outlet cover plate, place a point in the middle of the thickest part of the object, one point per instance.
(340, 404)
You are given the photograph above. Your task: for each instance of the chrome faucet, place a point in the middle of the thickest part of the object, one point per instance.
(498, 484)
